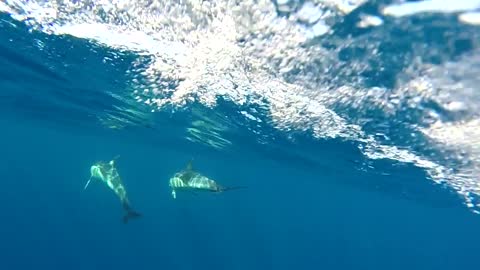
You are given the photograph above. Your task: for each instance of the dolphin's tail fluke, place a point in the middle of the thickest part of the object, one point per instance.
(222, 189)
(130, 213)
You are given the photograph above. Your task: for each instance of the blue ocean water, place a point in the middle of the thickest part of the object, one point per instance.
(310, 203)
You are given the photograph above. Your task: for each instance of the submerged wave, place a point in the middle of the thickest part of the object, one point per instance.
(396, 77)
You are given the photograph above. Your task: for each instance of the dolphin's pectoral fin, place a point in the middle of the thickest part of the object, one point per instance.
(88, 182)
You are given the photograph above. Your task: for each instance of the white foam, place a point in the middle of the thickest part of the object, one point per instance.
(309, 13)
(472, 18)
(6, 8)
(369, 20)
(319, 29)
(345, 6)
(440, 6)
(282, 2)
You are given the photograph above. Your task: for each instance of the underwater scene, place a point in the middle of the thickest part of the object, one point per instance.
(240, 134)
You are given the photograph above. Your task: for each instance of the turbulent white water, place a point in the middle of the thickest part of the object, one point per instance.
(245, 52)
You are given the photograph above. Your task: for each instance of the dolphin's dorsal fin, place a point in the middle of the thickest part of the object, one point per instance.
(114, 160)
(189, 165)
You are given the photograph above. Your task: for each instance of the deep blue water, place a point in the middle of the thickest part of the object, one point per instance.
(307, 205)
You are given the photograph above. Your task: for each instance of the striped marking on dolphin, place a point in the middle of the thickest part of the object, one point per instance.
(108, 174)
(190, 180)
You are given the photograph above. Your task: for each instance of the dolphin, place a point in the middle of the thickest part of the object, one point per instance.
(190, 180)
(107, 173)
